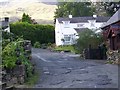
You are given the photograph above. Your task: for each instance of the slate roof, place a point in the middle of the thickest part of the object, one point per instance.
(83, 19)
(113, 19)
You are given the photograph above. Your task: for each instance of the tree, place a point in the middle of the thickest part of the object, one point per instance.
(26, 18)
(106, 8)
(88, 37)
(111, 7)
(75, 8)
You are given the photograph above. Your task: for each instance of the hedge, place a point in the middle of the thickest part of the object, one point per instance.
(34, 32)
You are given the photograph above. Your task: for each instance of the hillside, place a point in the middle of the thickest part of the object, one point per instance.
(41, 12)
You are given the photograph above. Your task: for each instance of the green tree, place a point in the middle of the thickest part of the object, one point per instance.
(26, 18)
(88, 37)
(74, 8)
(106, 8)
(111, 7)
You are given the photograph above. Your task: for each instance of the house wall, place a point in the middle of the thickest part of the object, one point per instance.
(57, 33)
(61, 30)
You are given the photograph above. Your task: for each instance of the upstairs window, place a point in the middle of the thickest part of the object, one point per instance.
(80, 25)
(66, 24)
(92, 23)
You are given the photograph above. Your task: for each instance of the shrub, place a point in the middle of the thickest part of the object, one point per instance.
(5, 42)
(34, 32)
(44, 46)
(86, 38)
(7, 35)
(9, 56)
(37, 45)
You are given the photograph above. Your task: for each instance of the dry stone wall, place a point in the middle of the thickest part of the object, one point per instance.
(113, 56)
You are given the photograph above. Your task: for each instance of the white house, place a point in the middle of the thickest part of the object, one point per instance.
(66, 29)
(4, 24)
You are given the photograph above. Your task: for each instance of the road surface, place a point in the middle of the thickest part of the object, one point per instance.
(66, 70)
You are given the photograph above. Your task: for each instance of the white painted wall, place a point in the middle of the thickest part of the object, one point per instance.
(61, 30)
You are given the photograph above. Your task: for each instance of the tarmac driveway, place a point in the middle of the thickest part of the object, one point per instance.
(66, 70)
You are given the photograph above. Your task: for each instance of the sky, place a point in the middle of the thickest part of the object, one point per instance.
(54, 0)
(28, 0)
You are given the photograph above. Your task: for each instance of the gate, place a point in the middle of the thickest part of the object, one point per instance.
(98, 53)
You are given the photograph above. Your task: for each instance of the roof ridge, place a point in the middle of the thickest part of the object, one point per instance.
(85, 16)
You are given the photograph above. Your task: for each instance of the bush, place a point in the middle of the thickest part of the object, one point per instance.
(7, 35)
(37, 45)
(34, 32)
(44, 46)
(5, 42)
(9, 55)
(86, 38)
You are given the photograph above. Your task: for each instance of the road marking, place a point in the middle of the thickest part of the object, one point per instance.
(41, 58)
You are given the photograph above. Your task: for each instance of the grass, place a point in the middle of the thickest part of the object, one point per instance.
(70, 48)
(32, 80)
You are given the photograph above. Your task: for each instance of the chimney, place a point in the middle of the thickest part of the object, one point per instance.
(95, 16)
(6, 19)
(70, 16)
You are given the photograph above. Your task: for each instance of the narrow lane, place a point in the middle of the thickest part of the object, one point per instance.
(65, 70)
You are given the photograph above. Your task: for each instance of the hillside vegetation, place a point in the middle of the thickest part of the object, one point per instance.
(43, 13)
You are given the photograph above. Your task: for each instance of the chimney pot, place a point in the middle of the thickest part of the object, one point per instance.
(6, 19)
(95, 16)
(70, 16)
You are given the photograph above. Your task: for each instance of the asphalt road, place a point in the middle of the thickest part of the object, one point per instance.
(65, 70)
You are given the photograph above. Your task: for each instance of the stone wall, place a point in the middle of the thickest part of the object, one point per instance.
(113, 56)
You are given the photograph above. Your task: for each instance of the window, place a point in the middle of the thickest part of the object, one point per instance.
(66, 24)
(92, 23)
(80, 25)
(67, 38)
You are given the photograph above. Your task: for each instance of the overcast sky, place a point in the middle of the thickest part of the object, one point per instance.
(55, 0)
(28, 0)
